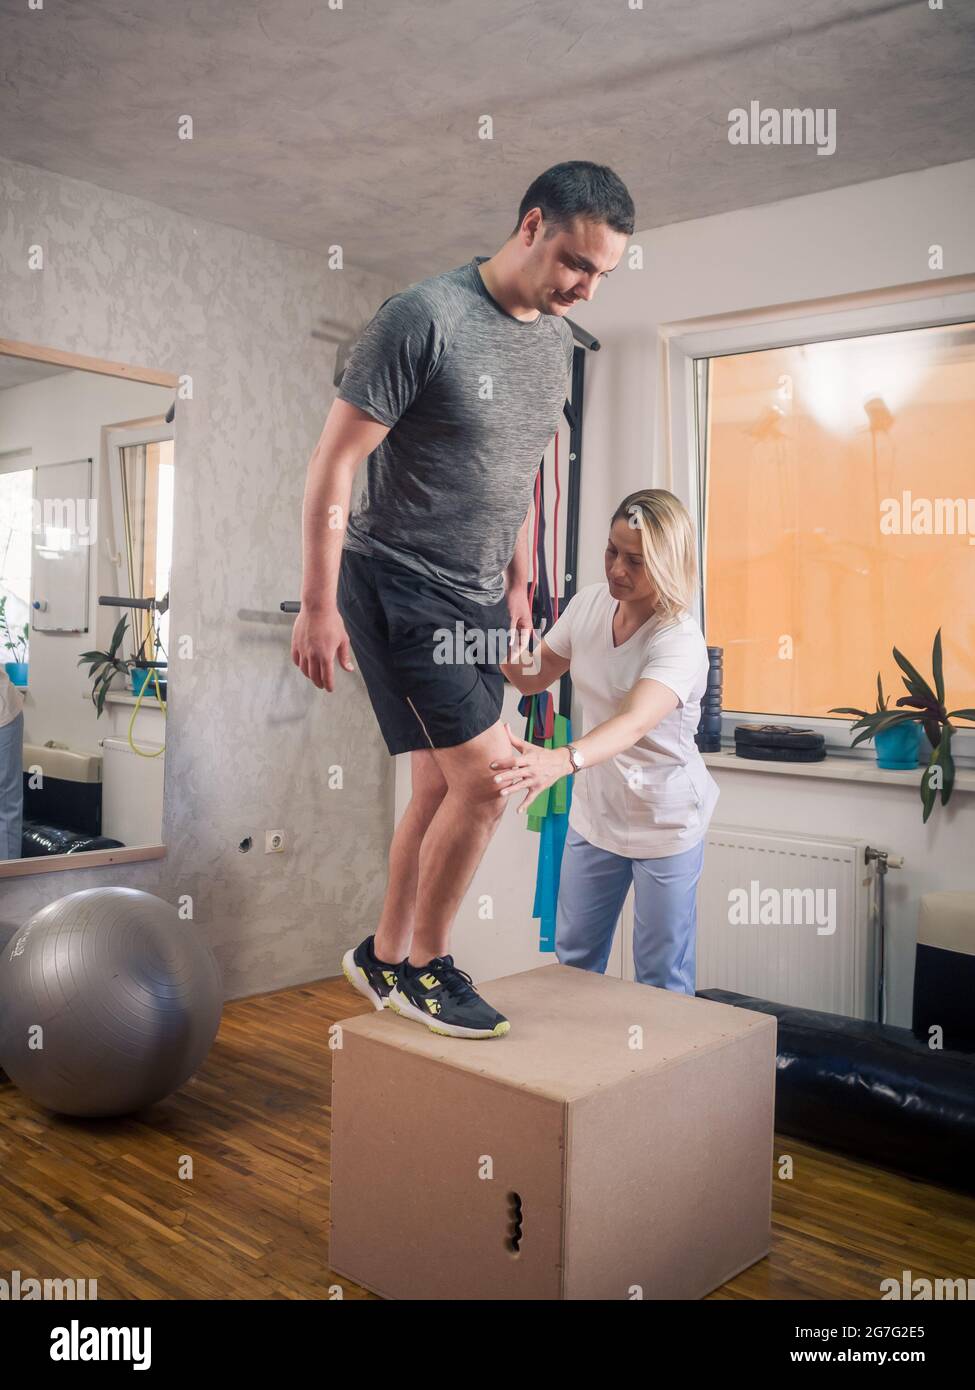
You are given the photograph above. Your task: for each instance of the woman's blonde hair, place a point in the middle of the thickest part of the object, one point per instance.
(669, 545)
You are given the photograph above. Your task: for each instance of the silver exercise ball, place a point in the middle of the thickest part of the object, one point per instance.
(108, 1002)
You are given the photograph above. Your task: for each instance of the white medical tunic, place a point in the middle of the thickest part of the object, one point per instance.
(656, 798)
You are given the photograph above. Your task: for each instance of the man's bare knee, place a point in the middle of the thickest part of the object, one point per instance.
(489, 810)
(429, 786)
(427, 803)
(467, 769)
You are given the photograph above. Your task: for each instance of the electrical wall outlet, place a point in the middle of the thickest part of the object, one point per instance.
(274, 842)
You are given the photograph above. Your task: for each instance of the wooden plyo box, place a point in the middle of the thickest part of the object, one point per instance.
(617, 1143)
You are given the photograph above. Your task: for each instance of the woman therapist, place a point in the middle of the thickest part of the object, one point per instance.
(642, 796)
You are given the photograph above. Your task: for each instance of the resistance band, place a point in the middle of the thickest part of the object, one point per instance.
(548, 814)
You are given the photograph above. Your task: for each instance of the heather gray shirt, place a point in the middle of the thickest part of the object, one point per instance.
(473, 397)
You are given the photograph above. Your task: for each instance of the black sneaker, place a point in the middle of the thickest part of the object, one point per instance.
(444, 998)
(370, 977)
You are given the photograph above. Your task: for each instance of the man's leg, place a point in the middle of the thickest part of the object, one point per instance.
(429, 787)
(457, 836)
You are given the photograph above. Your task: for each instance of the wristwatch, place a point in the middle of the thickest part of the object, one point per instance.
(576, 758)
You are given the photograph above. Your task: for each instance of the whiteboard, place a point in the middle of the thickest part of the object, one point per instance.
(63, 538)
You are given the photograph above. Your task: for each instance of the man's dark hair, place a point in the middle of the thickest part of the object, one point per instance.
(579, 189)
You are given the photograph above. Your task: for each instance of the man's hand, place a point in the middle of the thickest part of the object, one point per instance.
(519, 634)
(521, 621)
(317, 637)
(531, 769)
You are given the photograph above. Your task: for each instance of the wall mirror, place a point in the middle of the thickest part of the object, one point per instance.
(87, 478)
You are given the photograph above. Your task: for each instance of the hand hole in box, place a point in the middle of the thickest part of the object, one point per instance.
(513, 1241)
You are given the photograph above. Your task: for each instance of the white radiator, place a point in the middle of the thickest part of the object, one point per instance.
(788, 919)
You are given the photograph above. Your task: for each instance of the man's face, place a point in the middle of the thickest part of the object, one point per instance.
(568, 266)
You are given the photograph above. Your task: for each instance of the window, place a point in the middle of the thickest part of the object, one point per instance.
(146, 483)
(141, 476)
(835, 492)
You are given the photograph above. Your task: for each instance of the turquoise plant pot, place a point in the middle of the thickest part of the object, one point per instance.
(897, 748)
(142, 676)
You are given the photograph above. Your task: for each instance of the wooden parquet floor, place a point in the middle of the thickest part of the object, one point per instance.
(110, 1200)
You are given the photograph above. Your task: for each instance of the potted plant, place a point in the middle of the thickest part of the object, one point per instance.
(897, 733)
(105, 666)
(16, 643)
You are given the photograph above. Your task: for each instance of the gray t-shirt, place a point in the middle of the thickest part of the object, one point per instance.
(473, 397)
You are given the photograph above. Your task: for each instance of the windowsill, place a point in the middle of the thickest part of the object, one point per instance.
(836, 768)
(113, 697)
(149, 700)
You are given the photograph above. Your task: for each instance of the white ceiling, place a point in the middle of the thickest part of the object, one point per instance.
(358, 125)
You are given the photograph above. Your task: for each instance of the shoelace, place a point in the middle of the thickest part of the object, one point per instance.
(455, 981)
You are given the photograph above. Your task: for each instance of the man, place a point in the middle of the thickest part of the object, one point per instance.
(453, 391)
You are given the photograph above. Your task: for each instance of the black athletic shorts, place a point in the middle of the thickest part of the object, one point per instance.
(428, 657)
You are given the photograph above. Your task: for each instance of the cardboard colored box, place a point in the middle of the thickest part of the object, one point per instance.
(617, 1143)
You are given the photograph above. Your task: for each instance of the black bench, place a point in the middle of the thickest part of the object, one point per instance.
(872, 1091)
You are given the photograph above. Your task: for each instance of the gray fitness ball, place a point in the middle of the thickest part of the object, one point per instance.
(123, 997)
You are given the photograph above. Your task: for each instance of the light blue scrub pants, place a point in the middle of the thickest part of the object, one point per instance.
(592, 889)
(11, 787)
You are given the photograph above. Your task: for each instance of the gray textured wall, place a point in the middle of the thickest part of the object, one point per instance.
(250, 741)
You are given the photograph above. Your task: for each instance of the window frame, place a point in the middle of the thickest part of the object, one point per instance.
(686, 345)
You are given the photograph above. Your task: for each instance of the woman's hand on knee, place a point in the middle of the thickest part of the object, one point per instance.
(529, 769)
